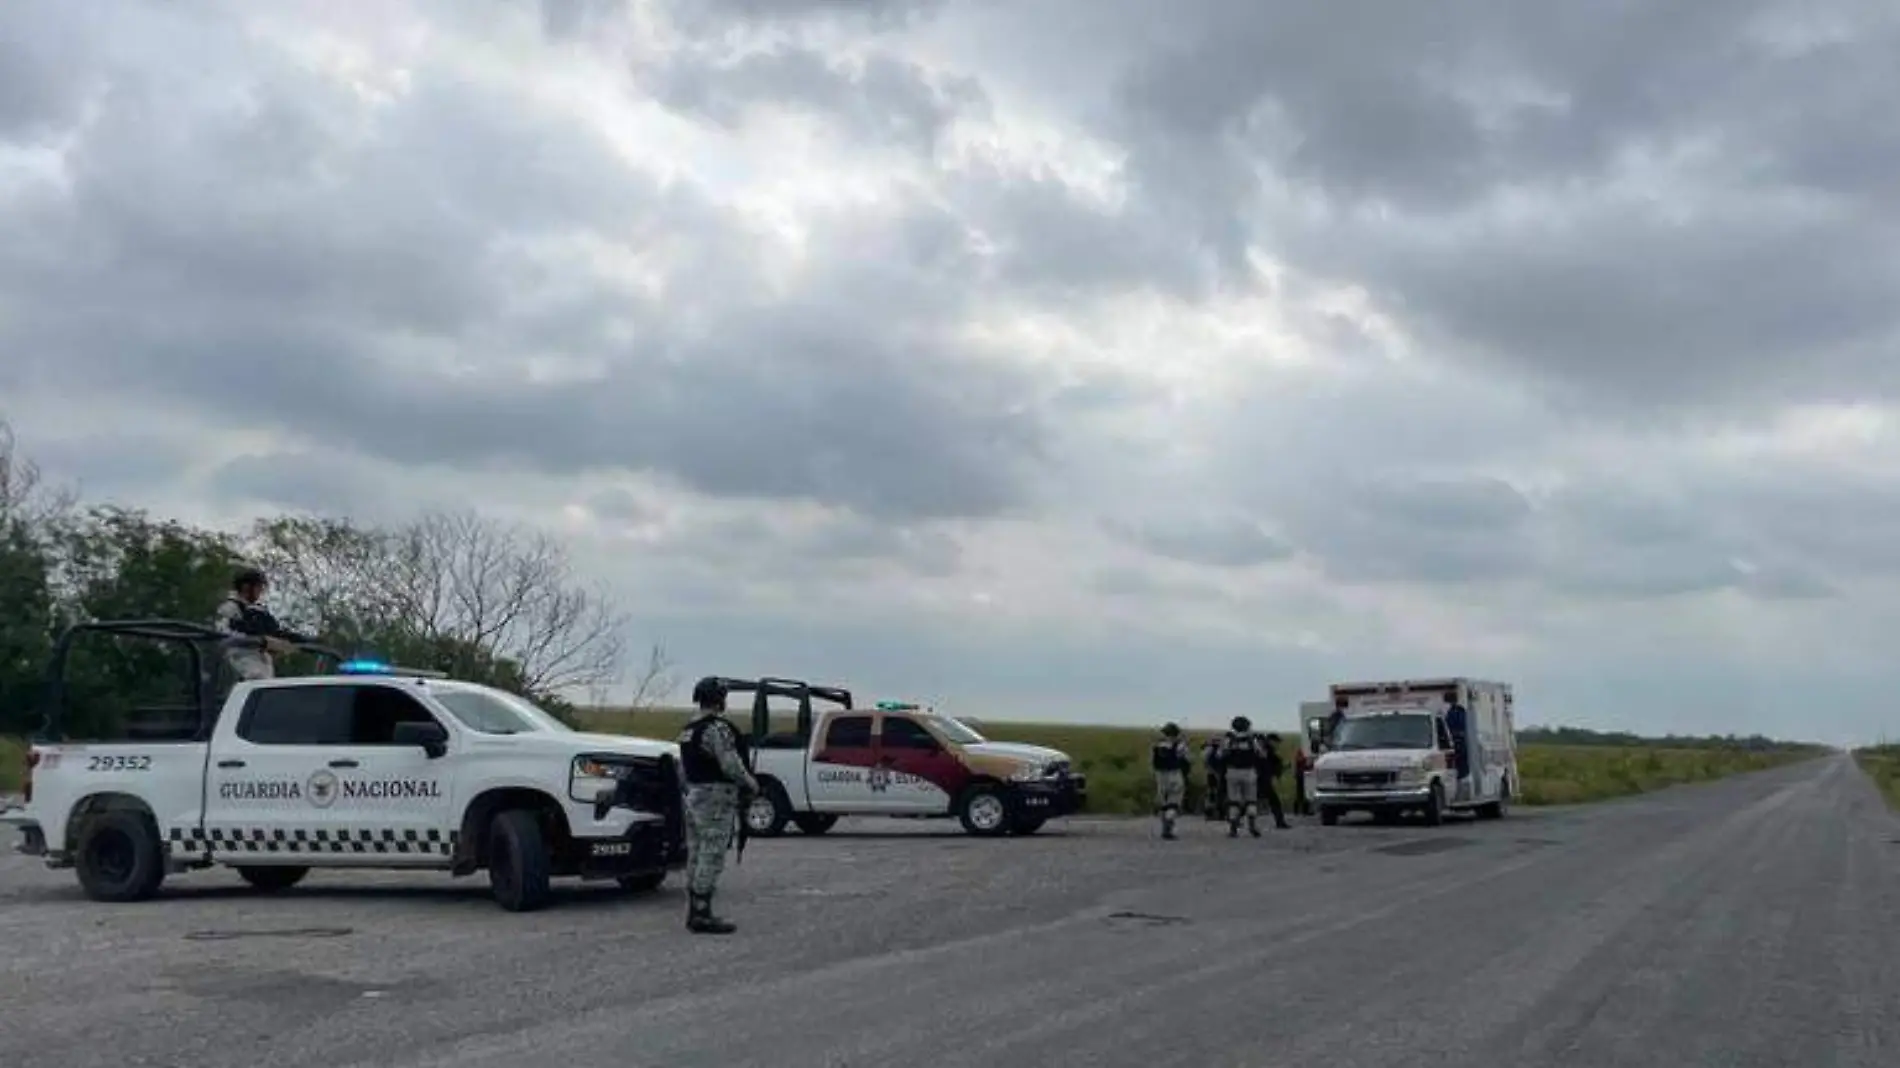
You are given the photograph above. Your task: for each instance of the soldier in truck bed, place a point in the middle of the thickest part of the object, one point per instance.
(251, 634)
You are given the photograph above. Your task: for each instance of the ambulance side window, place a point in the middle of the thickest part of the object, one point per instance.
(297, 715)
(849, 732)
(1444, 735)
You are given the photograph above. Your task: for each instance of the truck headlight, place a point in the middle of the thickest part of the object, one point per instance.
(590, 776)
(1411, 776)
(1029, 773)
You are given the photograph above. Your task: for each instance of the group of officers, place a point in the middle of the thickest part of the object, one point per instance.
(1241, 767)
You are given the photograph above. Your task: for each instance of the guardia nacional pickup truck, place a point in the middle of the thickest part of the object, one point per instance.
(369, 766)
(896, 759)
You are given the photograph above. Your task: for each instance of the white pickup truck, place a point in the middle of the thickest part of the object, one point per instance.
(1398, 746)
(896, 759)
(368, 767)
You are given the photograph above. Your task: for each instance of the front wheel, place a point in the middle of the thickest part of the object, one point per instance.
(518, 862)
(985, 812)
(1328, 816)
(272, 878)
(119, 857)
(1435, 806)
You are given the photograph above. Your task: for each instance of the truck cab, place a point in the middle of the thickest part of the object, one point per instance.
(1390, 748)
(896, 759)
(363, 765)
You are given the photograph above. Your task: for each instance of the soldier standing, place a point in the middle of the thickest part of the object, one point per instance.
(1215, 806)
(251, 634)
(1276, 766)
(1171, 762)
(716, 778)
(1242, 755)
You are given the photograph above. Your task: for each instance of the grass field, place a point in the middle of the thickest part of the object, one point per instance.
(1115, 760)
(1882, 764)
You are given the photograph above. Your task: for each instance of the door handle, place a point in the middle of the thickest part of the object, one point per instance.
(343, 763)
(230, 763)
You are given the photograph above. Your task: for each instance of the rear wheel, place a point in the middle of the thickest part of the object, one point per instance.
(518, 861)
(272, 878)
(643, 883)
(985, 812)
(1496, 810)
(119, 857)
(814, 823)
(768, 813)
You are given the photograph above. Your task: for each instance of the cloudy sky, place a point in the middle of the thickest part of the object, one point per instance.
(1098, 359)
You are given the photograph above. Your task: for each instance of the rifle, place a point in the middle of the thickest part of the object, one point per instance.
(750, 757)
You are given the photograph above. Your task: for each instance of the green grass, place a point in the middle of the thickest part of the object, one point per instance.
(1882, 764)
(1115, 760)
(12, 764)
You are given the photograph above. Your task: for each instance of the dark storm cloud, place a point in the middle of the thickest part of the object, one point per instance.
(370, 276)
(1659, 204)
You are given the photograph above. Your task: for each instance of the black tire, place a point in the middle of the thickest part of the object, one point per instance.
(769, 812)
(518, 861)
(1435, 806)
(815, 823)
(272, 878)
(641, 884)
(1496, 810)
(119, 857)
(1328, 816)
(984, 811)
(1027, 825)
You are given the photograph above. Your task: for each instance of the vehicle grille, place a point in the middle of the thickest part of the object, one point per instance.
(1367, 778)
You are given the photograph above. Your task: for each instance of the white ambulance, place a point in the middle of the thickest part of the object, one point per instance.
(1399, 746)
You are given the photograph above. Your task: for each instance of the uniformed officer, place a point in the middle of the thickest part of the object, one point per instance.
(1171, 762)
(1270, 791)
(716, 780)
(1215, 806)
(251, 634)
(1242, 755)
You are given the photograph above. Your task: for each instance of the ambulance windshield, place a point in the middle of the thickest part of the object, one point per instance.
(1403, 730)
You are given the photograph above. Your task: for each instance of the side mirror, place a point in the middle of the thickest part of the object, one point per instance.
(433, 738)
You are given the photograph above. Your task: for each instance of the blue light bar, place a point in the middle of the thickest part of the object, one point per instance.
(363, 667)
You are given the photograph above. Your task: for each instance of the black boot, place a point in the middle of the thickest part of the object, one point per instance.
(1253, 826)
(700, 918)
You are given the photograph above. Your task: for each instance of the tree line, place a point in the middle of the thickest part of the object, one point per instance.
(447, 591)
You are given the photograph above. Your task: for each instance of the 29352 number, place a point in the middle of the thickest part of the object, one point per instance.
(119, 763)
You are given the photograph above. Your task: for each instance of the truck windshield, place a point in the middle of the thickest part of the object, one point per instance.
(495, 711)
(954, 732)
(1401, 731)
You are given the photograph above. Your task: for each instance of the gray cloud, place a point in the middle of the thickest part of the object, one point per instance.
(1596, 231)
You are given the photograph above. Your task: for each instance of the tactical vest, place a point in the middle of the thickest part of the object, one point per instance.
(1169, 756)
(1242, 752)
(697, 764)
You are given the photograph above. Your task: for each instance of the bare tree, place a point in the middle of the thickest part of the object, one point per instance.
(655, 682)
(25, 495)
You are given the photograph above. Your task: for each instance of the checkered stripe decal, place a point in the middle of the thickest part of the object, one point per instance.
(366, 841)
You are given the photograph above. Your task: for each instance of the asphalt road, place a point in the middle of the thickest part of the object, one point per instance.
(1749, 922)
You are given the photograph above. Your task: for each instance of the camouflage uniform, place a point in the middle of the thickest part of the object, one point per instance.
(1171, 763)
(248, 630)
(716, 777)
(1215, 805)
(1242, 754)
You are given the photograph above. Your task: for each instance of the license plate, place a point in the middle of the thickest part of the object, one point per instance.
(612, 849)
(1034, 802)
